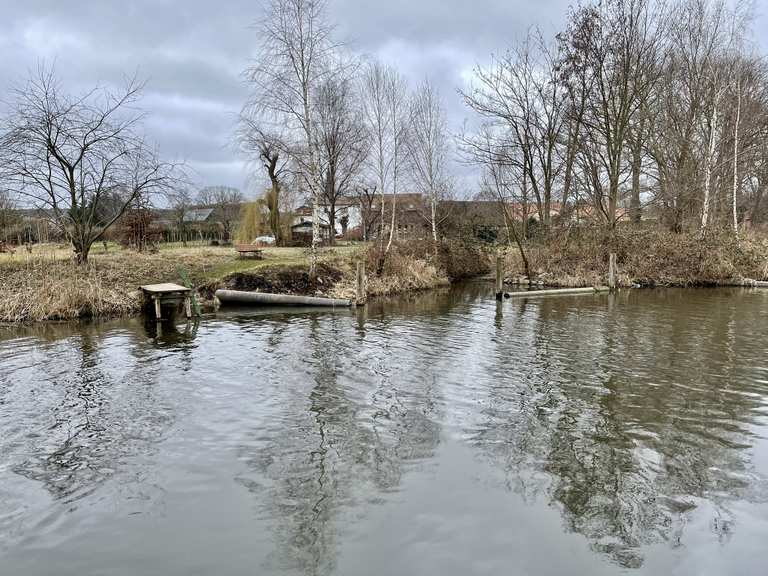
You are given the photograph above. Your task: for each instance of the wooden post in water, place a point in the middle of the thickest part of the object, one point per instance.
(612, 271)
(499, 277)
(362, 295)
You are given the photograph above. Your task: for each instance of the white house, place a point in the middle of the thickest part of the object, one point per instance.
(348, 215)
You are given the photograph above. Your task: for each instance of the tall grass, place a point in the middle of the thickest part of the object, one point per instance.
(416, 265)
(648, 256)
(47, 286)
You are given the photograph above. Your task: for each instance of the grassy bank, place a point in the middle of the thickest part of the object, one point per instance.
(646, 257)
(46, 285)
(408, 267)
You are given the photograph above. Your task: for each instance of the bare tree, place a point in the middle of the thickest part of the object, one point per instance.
(369, 215)
(268, 150)
(496, 181)
(750, 128)
(386, 113)
(655, 105)
(8, 213)
(374, 89)
(341, 143)
(622, 56)
(522, 95)
(226, 202)
(181, 201)
(685, 103)
(428, 146)
(70, 154)
(297, 52)
(503, 179)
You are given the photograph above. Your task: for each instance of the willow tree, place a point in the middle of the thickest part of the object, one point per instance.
(254, 221)
(269, 153)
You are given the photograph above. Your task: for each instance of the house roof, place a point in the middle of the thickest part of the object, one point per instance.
(307, 224)
(197, 214)
(405, 201)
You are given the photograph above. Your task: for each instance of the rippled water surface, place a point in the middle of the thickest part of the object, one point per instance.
(439, 434)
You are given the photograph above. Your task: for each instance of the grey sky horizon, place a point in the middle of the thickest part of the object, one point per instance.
(192, 57)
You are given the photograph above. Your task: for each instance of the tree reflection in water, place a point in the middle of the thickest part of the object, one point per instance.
(352, 441)
(597, 413)
(91, 412)
(583, 404)
(634, 416)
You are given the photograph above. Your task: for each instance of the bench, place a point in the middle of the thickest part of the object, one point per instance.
(251, 250)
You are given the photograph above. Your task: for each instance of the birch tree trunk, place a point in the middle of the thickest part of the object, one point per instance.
(736, 157)
(709, 158)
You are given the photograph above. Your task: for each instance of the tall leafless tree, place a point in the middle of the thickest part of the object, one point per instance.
(428, 145)
(297, 52)
(651, 105)
(384, 95)
(342, 144)
(623, 58)
(521, 94)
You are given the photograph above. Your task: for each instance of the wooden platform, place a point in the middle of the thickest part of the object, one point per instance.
(168, 293)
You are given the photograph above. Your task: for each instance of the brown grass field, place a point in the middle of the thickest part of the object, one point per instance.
(46, 285)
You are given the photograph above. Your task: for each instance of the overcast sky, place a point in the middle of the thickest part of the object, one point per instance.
(191, 53)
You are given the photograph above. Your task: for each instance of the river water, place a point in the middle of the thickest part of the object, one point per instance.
(437, 434)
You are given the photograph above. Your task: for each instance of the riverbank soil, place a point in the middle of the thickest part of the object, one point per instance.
(645, 256)
(407, 267)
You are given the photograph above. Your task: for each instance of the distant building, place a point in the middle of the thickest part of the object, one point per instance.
(347, 211)
(198, 216)
(301, 232)
(410, 216)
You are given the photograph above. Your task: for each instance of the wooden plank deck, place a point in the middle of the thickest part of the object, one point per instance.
(168, 293)
(167, 288)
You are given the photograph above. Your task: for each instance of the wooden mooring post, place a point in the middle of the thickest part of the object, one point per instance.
(499, 277)
(362, 295)
(612, 271)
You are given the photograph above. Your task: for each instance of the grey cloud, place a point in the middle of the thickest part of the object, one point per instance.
(192, 53)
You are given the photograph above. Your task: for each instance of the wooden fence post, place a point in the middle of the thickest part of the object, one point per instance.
(612, 271)
(499, 277)
(362, 296)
